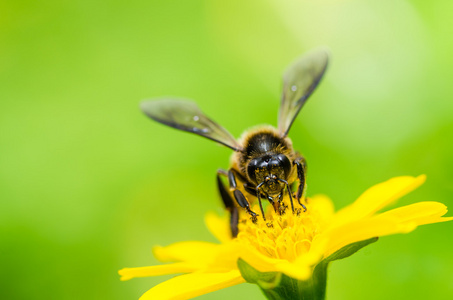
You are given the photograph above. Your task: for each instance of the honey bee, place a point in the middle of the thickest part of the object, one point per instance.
(264, 164)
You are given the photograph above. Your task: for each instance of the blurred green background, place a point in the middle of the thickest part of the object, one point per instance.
(88, 184)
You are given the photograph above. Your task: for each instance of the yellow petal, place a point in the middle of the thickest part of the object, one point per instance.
(399, 220)
(336, 238)
(302, 267)
(218, 226)
(193, 285)
(257, 260)
(377, 197)
(293, 270)
(419, 213)
(190, 251)
(223, 259)
(322, 205)
(206, 256)
(129, 273)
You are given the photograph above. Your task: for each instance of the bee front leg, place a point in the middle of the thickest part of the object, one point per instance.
(239, 196)
(280, 207)
(274, 204)
(229, 204)
(301, 168)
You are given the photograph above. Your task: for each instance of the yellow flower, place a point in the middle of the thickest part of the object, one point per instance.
(289, 244)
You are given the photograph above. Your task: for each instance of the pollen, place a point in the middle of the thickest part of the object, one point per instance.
(284, 235)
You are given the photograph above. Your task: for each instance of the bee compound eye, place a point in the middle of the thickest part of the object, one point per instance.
(251, 169)
(285, 163)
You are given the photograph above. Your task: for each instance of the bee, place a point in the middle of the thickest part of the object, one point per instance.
(264, 164)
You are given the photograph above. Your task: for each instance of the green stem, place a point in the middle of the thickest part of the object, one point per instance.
(290, 288)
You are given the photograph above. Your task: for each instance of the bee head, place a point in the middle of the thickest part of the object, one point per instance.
(268, 169)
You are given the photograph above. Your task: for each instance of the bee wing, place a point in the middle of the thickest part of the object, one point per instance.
(186, 115)
(299, 82)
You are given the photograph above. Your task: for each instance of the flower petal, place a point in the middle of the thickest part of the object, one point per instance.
(300, 268)
(206, 256)
(323, 205)
(129, 273)
(256, 259)
(223, 259)
(193, 285)
(399, 220)
(338, 237)
(297, 270)
(303, 266)
(419, 213)
(190, 251)
(377, 197)
(218, 226)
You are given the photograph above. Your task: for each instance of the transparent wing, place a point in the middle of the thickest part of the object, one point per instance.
(185, 115)
(299, 82)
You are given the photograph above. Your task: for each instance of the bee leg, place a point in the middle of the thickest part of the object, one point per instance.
(226, 198)
(301, 167)
(277, 205)
(234, 220)
(242, 201)
(250, 189)
(254, 192)
(280, 197)
(289, 193)
(229, 204)
(273, 203)
(259, 200)
(238, 195)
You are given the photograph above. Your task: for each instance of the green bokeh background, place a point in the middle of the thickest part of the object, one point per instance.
(88, 184)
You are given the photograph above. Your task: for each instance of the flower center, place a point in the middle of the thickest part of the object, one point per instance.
(283, 236)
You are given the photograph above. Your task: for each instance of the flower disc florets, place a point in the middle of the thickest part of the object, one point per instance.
(284, 234)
